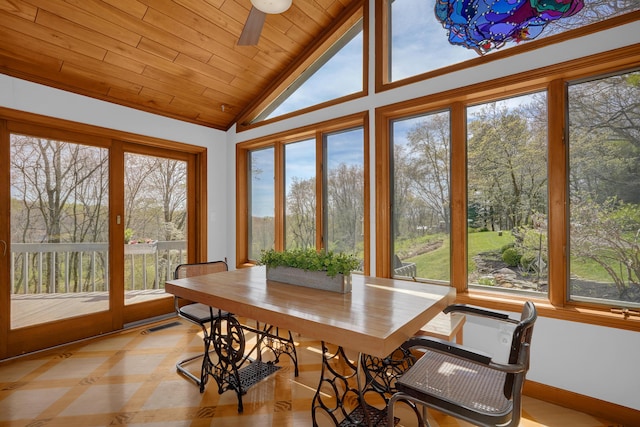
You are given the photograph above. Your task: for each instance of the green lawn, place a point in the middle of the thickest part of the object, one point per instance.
(487, 241)
(590, 270)
(435, 264)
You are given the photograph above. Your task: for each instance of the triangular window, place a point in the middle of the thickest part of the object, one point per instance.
(333, 70)
(337, 73)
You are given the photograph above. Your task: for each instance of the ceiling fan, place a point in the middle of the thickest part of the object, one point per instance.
(259, 9)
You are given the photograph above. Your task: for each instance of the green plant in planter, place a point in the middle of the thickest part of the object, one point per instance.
(311, 260)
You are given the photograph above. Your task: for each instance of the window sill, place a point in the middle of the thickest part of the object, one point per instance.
(569, 312)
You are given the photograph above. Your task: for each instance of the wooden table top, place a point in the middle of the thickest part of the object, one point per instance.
(375, 318)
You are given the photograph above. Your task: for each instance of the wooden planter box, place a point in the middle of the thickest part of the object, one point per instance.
(311, 279)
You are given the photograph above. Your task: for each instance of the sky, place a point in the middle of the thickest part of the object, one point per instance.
(419, 42)
(300, 158)
(340, 76)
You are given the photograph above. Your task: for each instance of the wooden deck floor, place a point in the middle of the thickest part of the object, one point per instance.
(33, 309)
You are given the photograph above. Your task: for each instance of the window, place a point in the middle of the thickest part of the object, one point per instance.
(507, 193)
(335, 63)
(155, 195)
(344, 191)
(335, 74)
(306, 189)
(300, 191)
(544, 182)
(419, 44)
(60, 229)
(421, 196)
(261, 202)
(473, 184)
(604, 190)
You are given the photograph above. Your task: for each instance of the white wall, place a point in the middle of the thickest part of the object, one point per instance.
(25, 96)
(594, 361)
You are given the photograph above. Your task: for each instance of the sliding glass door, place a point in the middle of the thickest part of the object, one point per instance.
(92, 228)
(155, 220)
(59, 229)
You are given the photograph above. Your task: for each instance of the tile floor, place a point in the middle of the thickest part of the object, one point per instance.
(129, 378)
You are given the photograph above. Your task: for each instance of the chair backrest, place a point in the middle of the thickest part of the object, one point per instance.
(520, 343)
(198, 269)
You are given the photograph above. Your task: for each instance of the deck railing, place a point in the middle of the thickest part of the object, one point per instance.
(84, 267)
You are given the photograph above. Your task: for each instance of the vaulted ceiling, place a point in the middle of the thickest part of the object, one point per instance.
(176, 58)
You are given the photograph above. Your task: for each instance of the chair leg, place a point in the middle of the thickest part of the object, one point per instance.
(182, 370)
(425, 415)
(400, 397)
(205, 367)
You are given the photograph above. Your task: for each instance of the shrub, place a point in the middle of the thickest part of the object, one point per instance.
(311, 260)
(526, 262)
(507, 246)
(511, 257)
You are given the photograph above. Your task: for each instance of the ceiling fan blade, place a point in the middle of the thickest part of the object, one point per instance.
(252, 28)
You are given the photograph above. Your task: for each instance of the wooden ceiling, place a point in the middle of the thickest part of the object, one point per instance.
(176, 58)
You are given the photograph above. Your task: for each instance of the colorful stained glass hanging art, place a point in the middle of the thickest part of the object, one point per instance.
(485, 25)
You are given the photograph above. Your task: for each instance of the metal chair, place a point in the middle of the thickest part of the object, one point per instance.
(199, 314)
(465, 383)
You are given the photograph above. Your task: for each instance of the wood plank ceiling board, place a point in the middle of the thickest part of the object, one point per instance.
(176, 58)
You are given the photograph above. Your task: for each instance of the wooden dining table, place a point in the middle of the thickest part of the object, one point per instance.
(374, 319)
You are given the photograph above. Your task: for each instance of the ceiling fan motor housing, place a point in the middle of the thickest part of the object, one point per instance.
(271, 6)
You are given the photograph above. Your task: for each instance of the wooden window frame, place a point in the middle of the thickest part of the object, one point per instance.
(553, 80)
(278, 141)
(382, 47)
(358, 10)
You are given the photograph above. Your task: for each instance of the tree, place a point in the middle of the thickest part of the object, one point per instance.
(604, 143)
(63, 189)
(345, 208)
(609, 234)
(605, 137)
(155, 197)
(507, 164)
(135, 198)
(169, 180)
(429, 166)
(402, 197)
(301, 214)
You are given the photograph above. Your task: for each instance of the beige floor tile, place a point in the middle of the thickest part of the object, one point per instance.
(101, 399)
(136, 364)
(73, 367)
(15, 371)
(28, 404)
(173, 394)
(114, 343)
